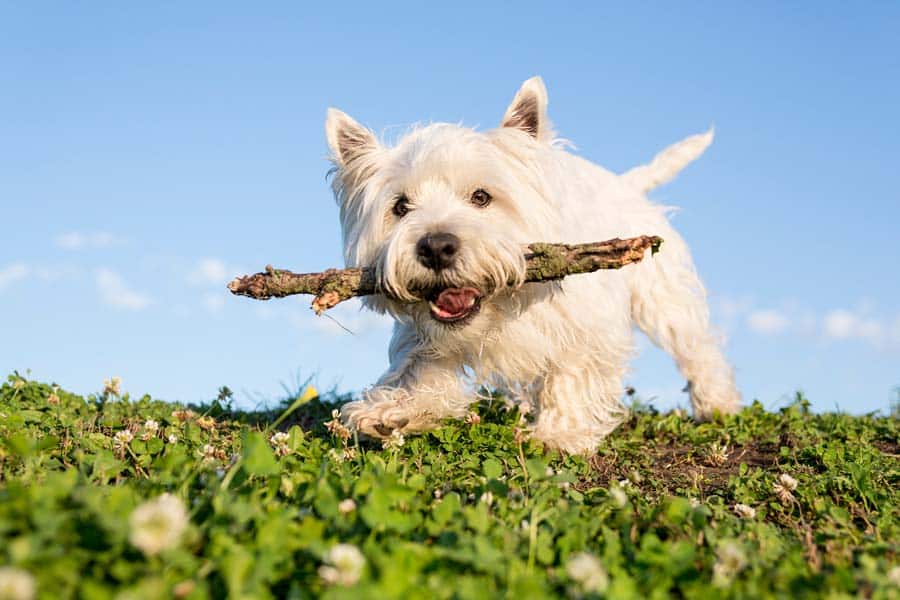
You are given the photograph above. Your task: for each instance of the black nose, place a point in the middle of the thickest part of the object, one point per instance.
(437, 250)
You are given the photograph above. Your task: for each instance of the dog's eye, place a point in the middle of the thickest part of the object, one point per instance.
(401, 206)
(481, 198)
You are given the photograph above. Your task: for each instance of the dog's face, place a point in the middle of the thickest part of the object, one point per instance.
(445, 213)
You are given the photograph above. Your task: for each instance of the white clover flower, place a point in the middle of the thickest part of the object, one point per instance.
(122, 439)
(487, 498)
(345, 565)
(282, 450)
(183, 415)
(279, 441)
(783, 488)
(730, 560)
(694, 502)
(158, 524)
(151, 428)
(279, 437)
(210, 453)
(586, 570)
(18, 384)
(438, 493)
(346, 506)
(111, 386)
(336, 427)
(618, 496)
(172, 439)
(16, 584)
(208, 423)
(717, 454)
(788, 482)
(744, 511)
(396, 440)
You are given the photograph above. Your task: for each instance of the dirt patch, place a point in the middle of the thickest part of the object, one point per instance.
(887, 447)
(674, 467)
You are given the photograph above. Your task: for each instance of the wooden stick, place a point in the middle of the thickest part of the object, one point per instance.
(544, 262)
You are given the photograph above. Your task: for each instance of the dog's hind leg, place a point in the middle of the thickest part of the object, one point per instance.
(668, 302)
(579, 405)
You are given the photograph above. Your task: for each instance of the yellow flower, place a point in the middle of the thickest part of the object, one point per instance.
(308, 394)
(158, 524)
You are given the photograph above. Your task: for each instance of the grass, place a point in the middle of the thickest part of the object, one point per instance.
(472, 510)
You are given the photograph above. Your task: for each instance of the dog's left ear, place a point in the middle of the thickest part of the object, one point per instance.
(528, 110)
(347, 139)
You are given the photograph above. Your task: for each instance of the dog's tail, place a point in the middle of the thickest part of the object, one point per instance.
(667, 164)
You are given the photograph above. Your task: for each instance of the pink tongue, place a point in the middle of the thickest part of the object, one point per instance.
(456, 301)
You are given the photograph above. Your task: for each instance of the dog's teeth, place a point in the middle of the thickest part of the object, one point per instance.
(471, 302)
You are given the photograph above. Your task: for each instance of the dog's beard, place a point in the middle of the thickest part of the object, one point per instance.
(452, 297)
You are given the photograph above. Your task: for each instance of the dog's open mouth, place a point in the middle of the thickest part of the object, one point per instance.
(454, 305)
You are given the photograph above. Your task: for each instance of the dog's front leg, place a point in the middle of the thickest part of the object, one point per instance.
(415, 394)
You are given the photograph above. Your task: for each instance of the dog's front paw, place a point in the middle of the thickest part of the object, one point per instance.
(385, 410)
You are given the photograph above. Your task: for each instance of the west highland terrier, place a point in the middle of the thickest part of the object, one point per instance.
(444, 215)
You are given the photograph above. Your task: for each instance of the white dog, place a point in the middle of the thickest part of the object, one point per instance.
(444, 215)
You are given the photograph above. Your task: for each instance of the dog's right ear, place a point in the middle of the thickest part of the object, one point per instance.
(347, 139)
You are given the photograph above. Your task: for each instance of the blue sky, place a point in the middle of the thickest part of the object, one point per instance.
(150, 152)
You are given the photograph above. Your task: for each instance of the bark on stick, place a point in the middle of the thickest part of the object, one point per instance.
(544, 262)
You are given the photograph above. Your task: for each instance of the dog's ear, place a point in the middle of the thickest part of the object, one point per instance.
(347, 139)
(528, 110)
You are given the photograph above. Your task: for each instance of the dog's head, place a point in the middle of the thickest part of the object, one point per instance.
(444, 214)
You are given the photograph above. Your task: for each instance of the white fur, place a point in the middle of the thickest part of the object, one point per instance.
(564, 344)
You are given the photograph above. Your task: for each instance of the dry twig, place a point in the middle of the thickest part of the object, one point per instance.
(544, 262)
